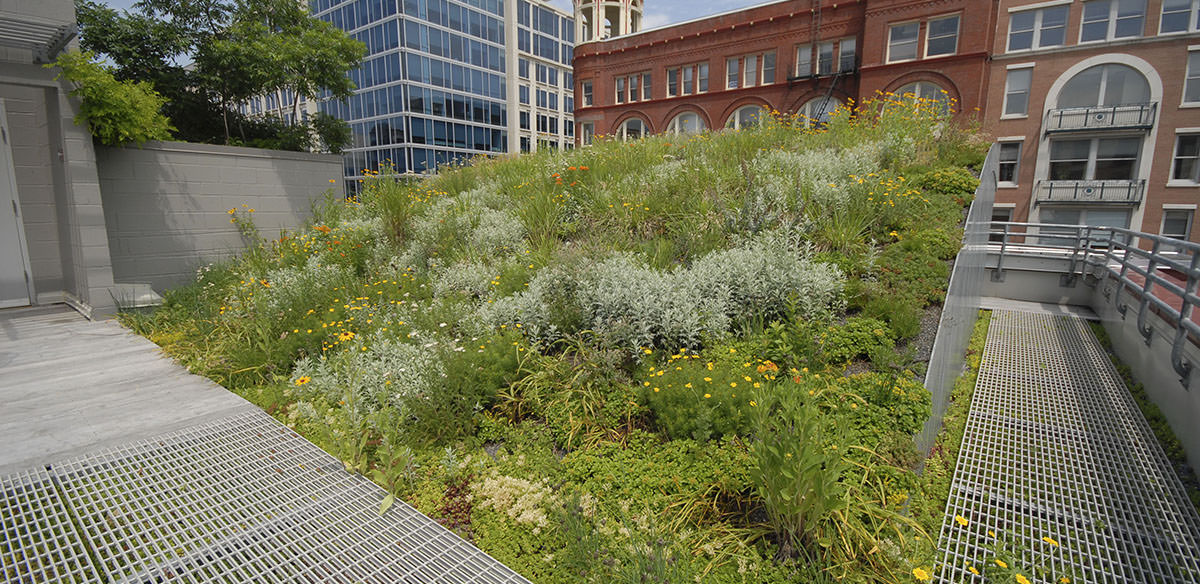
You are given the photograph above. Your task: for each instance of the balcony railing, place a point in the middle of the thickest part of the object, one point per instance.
(1072, 119)
(1125, 192)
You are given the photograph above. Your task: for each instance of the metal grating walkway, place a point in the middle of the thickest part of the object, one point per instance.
(1055, 447)
(241, 499)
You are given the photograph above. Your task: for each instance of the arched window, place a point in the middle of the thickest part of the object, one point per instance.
(747, 117)
(1105, 85)
(816, 111)
(631, 129)
(924, 90)
(686, 123)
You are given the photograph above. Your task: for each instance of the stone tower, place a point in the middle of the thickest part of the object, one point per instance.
(602, 19)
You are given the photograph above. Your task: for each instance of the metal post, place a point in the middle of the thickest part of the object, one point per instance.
(1146, 330)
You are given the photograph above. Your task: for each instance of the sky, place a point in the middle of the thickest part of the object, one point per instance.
(658, 12)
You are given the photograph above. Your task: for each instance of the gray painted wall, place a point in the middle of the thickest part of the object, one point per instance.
(166, 204)
(59, 191)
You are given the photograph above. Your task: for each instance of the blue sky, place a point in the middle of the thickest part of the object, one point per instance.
(658, 12)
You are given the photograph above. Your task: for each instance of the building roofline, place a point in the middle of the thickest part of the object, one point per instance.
(685, 22)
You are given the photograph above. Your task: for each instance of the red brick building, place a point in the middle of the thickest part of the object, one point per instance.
(1097, 110)
(1096, 103)
(796, 56)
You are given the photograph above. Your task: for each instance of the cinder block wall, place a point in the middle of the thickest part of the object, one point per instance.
(166, 204)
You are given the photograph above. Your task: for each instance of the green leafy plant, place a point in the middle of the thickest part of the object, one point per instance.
(117, 112)
(799, 464)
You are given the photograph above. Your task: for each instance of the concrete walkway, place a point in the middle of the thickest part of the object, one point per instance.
(1059, 475)
(70, 385)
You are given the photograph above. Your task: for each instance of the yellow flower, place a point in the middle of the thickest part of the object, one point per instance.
(753, 404)
(1001, 563)
(1050, 541)
(708, 379)
(922, 574)
(1021, 579)
(991, 533)
(707, 395)
(732, 384)
(1064, 580)
(647, 351)
(972, 570)
(961, 520)
(303, 380)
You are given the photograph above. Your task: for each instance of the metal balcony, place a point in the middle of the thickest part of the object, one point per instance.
(1075, 119)
(1122, 192)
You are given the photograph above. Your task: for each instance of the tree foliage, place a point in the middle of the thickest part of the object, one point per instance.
(239, 48)
(118, 112)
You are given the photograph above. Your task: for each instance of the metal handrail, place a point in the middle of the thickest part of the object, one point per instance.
(1120, 253)
(1131, 115)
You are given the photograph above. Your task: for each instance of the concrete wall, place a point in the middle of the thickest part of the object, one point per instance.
(58, 190)
(166, 204)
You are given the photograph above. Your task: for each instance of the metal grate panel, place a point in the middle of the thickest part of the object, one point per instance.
(38, 542)
(246, 499)
(1055, 447)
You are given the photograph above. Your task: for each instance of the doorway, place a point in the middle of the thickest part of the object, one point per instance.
(16, 285)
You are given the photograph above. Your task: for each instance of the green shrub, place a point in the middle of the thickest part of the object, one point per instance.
(798, 467)
(950, 181)
(703, 396)
(858, 337)
(118, 112)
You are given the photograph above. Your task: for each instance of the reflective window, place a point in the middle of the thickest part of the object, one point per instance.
(1105, 85)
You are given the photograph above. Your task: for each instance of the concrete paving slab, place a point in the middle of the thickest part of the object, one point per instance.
(70, 385)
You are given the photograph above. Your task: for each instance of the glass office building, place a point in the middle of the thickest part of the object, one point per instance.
(449, 79)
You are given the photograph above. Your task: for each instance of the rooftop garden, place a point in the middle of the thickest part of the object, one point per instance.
(679, 359)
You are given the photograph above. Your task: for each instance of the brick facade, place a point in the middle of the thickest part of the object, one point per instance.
(961, 47)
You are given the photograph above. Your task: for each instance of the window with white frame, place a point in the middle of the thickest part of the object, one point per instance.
(1185, 165)
(585, 88)
(587, 132)
(1003, 215)
(847, 54)
(687, 80)
(1179, 16)
(825, 58)
(1191, 85)
(831, 57)
(620, 90)
(1016, 91)
(1110, 84)
(925, 90)
(1009, 163)
(1177, 223)
(1112, 19)
(804, 61)
(756, 69)
(816, 112)
(746, 117)
(686, 123)
(631, 129)
(1037, 29)
(646, 86)
(634, 91)
(1094, 159)
(941, 36)
(902, 41)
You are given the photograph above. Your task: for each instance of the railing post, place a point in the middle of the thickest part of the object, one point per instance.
(1182, 366)
(1146, 330)
(998, 273)
(1122, 276)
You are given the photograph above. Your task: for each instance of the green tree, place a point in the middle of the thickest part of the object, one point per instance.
(117, 112)
(240, 48)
